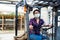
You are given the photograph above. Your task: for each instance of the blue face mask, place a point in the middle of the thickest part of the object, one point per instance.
(37, 15)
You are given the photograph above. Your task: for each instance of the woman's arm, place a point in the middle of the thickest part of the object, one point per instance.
(47, 26)
(30, 24)
(43, 24)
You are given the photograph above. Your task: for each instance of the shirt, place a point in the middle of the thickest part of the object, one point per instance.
(36, 26)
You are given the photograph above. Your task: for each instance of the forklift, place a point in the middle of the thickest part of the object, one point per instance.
(39, 4)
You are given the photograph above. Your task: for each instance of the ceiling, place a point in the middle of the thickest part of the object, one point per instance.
(10, 0)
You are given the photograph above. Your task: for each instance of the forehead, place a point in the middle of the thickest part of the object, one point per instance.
(36, 11)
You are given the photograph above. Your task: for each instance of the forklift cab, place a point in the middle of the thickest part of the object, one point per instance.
(48, 16)
(51, 14)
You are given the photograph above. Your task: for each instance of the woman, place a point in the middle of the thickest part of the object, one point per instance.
(35, 25)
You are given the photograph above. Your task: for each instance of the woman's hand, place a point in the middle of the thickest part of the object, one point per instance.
(30, 27)
(50, 25)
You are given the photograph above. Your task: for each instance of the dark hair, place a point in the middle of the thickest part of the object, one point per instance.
(36, 10)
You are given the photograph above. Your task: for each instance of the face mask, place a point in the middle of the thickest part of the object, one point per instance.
(37, 15)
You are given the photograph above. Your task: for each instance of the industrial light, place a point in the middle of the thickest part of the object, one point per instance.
(25, 8)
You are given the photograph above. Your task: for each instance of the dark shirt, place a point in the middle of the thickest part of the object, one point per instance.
(36, 26)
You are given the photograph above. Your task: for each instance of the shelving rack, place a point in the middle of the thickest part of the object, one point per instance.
(8, 22)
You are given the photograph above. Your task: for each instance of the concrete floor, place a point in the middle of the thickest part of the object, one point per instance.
(9, 35)
(6, 35)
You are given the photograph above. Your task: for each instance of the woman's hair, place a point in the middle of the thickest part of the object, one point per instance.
(36, 10)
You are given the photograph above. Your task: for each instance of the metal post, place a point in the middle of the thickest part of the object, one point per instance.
(27, 23)
(55, 10)
(16, 20)
(53, 19)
